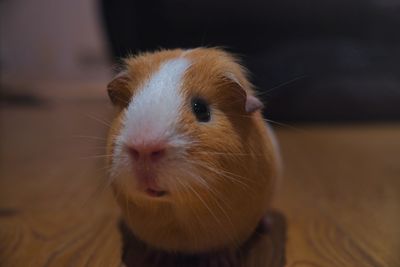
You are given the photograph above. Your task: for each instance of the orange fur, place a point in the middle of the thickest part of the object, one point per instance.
(194, 218)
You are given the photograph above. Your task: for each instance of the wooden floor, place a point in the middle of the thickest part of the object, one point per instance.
(340, 194)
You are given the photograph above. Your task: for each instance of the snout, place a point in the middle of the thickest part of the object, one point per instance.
(146, 161)
(150, 153)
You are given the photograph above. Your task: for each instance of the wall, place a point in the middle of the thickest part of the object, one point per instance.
(52, 39)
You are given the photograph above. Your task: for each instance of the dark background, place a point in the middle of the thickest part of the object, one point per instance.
(311, 60)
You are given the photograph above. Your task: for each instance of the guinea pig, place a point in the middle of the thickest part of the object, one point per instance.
(193, 164)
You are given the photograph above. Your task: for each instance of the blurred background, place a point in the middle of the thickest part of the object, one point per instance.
(313, 61)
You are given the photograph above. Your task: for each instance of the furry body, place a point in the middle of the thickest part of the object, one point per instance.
(217, 177)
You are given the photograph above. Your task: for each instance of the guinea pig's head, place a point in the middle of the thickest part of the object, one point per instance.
(192, 164)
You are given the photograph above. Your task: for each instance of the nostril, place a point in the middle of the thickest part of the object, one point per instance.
(152, 153)
(157, 154)
(134, 153)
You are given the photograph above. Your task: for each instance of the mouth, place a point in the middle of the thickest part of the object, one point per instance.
(148, 184)
(155, 192)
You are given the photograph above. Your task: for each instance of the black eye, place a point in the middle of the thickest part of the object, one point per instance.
(201, 110)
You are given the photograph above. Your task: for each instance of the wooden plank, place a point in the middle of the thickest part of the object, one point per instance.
(340, 193)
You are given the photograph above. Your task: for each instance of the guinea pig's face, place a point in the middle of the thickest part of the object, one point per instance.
(182, 124)
(180, 118)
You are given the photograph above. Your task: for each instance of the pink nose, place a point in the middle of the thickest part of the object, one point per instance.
(147, 152)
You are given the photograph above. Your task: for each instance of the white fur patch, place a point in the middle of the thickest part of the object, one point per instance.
(154, 110)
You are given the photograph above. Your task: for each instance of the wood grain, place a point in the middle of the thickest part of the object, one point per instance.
(340, 193)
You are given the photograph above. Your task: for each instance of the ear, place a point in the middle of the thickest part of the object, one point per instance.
(118, 90)
(252, 103)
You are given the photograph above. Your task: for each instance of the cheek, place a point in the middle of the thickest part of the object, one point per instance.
(114, 149)
(114, 130)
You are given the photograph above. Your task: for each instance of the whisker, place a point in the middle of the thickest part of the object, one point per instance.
(286, 125)
(238, 155)
(216, 199)
(100, 188)
(223, 153)
(204, 203)
(283, 84)
(97, 156)
(102, 148)
(200, 179)
(272, 122)
(197, 216)
(106, 123)
(116, 169)
(211, 189)
(224, 174)
(90, 137)
(211, 212)
(245, 187)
